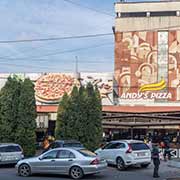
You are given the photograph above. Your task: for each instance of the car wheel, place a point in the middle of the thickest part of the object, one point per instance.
(120, 164)
(144, 165)
(76, 172)
(24, 170)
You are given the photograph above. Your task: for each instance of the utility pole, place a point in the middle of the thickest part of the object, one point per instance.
(77, 74)
(76, 64)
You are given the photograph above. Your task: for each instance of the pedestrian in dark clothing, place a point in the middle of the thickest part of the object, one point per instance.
(156, 160)
(166, 141)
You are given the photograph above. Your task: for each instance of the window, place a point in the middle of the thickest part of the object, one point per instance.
(163, 59)
(134, 14)
(65, 154)
(146, 14)
(10, 149)
(107, 146)
(54, 145)
(163, 13)
(87, 153)
(72, 145)
(50, 155)
(2, 149)
(119, 145)
(139, 146)
(13, 149)
(115, 146)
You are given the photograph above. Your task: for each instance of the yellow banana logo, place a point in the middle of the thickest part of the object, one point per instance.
(153, 87)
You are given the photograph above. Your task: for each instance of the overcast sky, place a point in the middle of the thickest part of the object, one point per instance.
(29, 19)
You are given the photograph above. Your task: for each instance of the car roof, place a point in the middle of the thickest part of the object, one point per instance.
(67, 141)
(127, 141)
(67, 148)
(9, 144)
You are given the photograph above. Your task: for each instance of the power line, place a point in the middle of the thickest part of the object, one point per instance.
(55, 38)
(93, 61)
(28, 50)
(29, 66)
(60, 52)
(45, 67)
(78, 37)
(86, 7)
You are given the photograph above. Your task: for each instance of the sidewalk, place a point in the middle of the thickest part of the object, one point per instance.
(174, 163)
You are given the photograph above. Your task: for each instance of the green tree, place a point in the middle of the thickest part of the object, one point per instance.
(25, 133)
(93, 123)
(9, 100)
(79, 117)
(62, 118)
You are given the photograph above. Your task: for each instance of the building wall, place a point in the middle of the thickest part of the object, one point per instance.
(135, 60)
(147, 22)
(146, 6)
(147, 54)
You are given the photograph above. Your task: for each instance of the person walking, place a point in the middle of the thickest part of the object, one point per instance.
(167, 150)
(156, 160)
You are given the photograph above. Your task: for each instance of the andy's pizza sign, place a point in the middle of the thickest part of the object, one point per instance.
(149, 91)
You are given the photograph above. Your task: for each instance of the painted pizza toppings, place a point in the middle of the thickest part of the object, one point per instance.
(52, 87)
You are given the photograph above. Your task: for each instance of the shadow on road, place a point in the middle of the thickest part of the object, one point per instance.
(130, 168)
(95, 176)
(7, 166)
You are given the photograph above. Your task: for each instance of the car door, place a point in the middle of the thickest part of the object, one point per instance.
(105, 152)
(116, 150)
(65, 159)
(46, 162)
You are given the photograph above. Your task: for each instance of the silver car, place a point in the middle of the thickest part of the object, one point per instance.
(10, 153)
(68, 161)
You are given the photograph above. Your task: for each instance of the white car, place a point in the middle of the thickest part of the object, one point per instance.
(10, 153)
(124, 153)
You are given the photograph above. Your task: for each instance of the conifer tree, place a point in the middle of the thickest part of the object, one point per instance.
(9, 100)
(25, 134)
(79, 117)
(62, 119)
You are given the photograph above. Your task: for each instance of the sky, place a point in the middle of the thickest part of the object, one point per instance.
(31, 19)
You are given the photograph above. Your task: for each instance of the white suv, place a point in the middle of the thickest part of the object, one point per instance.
(124, 153)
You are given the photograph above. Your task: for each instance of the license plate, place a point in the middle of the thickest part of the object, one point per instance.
(141, 154)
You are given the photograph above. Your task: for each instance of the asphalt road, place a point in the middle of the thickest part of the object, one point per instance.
(136, 173)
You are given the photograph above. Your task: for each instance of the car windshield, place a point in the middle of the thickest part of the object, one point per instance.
(73, 145)
(139, 146)
(87, 153)
(10, 148)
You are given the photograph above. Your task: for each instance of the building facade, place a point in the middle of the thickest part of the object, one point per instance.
(147, 68)
(142, 96)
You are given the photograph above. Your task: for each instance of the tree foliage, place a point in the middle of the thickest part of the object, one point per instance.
(79, 117)
(25, 134)
(9, 100)
(18, 113)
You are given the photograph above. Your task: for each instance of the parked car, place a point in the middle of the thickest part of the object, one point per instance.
(74, 162)
(64, 143)
(10, 153)
(124, 153)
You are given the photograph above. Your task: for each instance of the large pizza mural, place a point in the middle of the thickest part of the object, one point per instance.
(51, 87)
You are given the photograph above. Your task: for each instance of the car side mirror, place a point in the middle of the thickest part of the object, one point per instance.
(40, 158)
